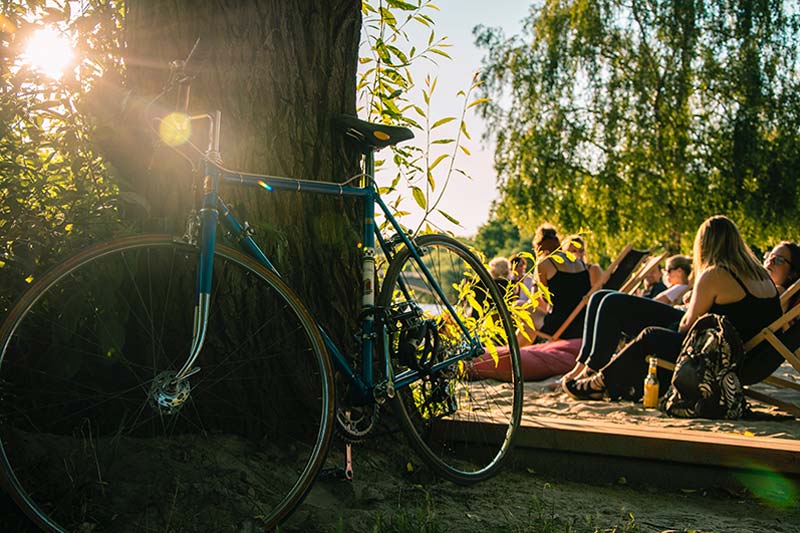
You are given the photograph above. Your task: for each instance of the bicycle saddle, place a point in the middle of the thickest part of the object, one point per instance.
(369, 135)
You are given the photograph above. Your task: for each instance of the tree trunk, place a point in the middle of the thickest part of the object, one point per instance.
(278, 70)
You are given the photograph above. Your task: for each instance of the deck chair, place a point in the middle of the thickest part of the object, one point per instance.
(636, 280)
(779, 341)
(614, 277)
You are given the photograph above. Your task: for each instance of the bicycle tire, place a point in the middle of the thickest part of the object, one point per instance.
(83, 442)
(471, 443)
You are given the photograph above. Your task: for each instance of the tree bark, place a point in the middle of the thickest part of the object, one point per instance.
(278, 70)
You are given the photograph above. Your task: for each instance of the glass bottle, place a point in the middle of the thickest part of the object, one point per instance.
(650, 398)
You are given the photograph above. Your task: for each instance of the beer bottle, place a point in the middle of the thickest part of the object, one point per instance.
(651, 385)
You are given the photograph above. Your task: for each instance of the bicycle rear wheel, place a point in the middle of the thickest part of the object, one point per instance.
(92, 435)
(463, 428)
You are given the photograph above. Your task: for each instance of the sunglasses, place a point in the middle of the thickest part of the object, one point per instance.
(670, 269)
(777, 259)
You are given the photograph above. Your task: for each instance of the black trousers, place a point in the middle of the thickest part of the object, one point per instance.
(624, 374)
(612, 316)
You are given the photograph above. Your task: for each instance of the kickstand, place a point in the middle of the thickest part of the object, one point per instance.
(348, 462)
(337, 472)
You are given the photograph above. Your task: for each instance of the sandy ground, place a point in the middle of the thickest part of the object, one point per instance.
(520, 499)
(393, 491)
(545, 398)
(383, 492)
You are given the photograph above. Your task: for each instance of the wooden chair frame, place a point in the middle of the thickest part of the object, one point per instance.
(634, 281)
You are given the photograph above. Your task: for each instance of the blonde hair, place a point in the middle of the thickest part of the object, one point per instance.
(499, 267)
(719, 243)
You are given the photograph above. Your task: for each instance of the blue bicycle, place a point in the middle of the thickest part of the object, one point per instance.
(177, 384)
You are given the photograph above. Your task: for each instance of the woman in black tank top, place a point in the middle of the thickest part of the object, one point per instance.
(567, 289)
(730, 281)
(567, 281)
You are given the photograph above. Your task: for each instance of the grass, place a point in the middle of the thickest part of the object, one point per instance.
(541, 518)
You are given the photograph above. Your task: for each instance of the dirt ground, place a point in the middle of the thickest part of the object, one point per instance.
(391, 491)
(386, 492)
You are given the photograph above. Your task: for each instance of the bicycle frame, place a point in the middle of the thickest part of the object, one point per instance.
(214, 210)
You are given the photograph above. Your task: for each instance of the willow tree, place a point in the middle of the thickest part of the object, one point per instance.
(637, 120)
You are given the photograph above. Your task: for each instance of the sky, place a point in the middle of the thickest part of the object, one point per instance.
(468, 201)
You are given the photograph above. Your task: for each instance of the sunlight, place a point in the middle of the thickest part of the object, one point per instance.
(175, 129)
(49, 52)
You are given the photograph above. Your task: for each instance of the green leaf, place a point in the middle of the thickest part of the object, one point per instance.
(387, 17)
(442, 121)
(464, 130)
(405, 6)
(478, 102)
(438, 160)
(448, 217)
(419, 197)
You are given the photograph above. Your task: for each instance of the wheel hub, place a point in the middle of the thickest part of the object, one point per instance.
(167, 395)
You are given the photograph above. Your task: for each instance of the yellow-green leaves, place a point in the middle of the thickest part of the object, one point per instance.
(442, 121)
(419, 196)
(388, 94)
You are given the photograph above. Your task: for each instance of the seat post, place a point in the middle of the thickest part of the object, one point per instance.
(369, 167)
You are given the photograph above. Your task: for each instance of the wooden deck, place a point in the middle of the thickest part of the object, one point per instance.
(661, 444)
(609, 445)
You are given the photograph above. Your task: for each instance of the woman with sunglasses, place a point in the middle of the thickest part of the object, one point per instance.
(730, 282)
(676, 278)
(783, 264)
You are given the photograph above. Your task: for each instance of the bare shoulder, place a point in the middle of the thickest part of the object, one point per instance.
(712, 276)
(546, 269)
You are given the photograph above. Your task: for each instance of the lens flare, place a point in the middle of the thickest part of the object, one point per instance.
(49, 52)
(770, 487)
(175, 129)
(265, 185)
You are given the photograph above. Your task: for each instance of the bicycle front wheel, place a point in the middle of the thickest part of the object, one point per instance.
(461, 426)
(96, 434)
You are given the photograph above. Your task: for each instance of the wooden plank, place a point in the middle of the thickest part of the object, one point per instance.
(765, 398)
(649, 443)
(634, 281)
(781, 382)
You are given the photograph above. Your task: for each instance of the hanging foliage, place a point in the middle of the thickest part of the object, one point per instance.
(640, 119)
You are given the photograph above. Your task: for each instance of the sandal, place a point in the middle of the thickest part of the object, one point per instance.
(588, 388)
(576, 371)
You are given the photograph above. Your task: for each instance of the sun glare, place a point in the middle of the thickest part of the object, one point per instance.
(49, 52)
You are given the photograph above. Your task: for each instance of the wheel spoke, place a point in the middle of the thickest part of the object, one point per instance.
(96, 431)
(448, 417)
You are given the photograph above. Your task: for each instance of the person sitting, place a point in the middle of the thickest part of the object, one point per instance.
(652, 285)
(783, 264)
(499, 269)
(566, 281)
(520, 278)
(576, 245)
(730, 282)
(676, 276)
